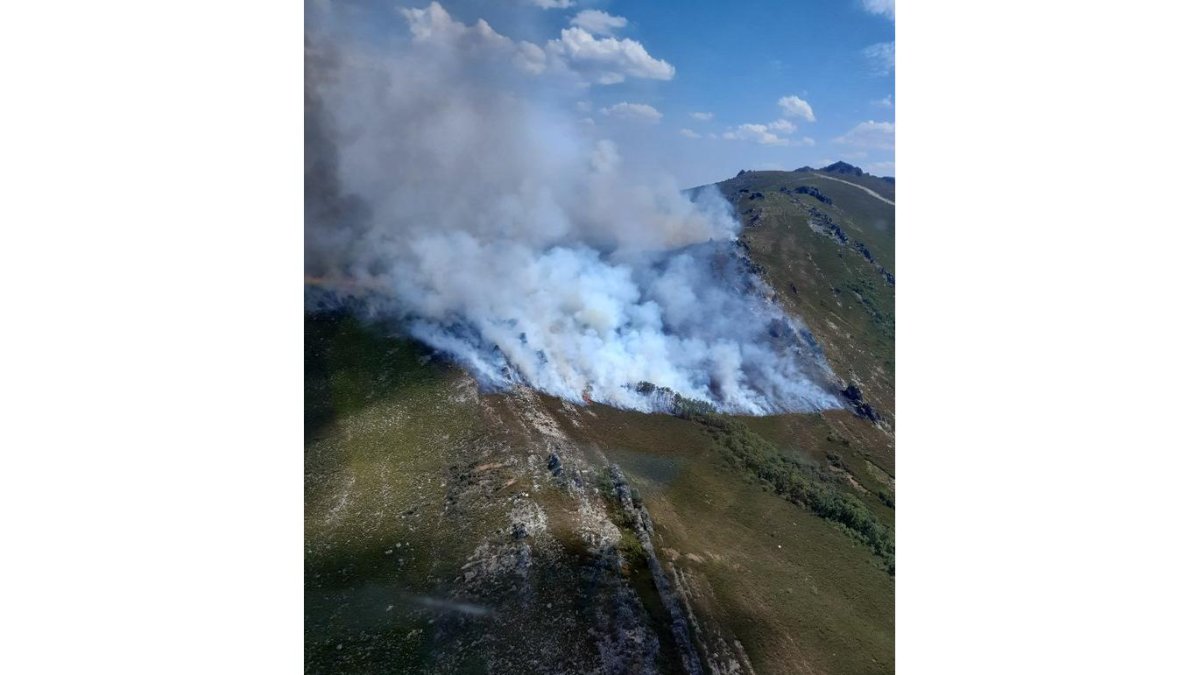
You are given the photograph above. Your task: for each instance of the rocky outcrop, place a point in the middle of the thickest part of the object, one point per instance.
(810, 191)
(821, 223)
(844, 169)
(644, 530)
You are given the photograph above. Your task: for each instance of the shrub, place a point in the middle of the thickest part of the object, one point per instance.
(800, 483)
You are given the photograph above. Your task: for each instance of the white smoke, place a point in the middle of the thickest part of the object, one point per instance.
(447, 174)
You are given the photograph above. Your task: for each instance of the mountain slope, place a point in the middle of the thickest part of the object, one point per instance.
(828, 250)
(448, 531)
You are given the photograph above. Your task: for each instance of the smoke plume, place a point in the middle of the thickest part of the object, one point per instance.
(450, 181)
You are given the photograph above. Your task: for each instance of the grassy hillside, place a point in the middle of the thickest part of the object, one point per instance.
(830, 256)
(448, 531)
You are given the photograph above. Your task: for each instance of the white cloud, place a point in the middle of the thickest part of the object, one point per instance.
(688, 133)
(530, 57)
(757, 133)
(885, 102)
(598, 22)
(435, 25)
(701, 116)
(771, 133)
(552, 4)
(882, 7)
(608, 60)
(633, 111)
(870, 134)
(794, 106)
(782, 126)
(603, 60)
(882, 57)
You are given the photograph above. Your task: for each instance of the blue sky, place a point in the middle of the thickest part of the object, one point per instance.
(731, 61)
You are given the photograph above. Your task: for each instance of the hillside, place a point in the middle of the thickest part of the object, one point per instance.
(828, 248)
(451, 531)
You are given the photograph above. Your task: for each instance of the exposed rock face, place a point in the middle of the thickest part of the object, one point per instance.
(810, 191)
(536, 584)
(821, 223)
(644, 529)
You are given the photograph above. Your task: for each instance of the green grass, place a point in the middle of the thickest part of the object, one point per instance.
(801, 483)
(381, 426)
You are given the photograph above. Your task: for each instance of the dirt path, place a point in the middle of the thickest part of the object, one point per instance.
(866, 190)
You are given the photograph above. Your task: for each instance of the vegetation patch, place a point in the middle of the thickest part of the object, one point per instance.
(803, 484)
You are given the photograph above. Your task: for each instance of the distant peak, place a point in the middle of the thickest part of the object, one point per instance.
(843, 167)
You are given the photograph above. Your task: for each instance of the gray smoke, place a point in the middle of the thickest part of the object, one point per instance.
(448, 181)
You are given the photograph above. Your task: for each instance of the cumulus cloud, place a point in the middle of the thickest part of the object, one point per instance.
(758, 133)
(639, 112)
(688, 133)
(881, 57)
(435, 25)
(598, 22)
(607, 60)
(576, 52)
(701, 116)
(782, 126)
(771, 133)
(794, 106)
(882, 7)
(870, 135)
(467, 207)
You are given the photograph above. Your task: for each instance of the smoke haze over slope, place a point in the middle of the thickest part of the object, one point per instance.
(449, 171)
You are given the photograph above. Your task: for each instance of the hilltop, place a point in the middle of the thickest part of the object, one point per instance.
(847, 169)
